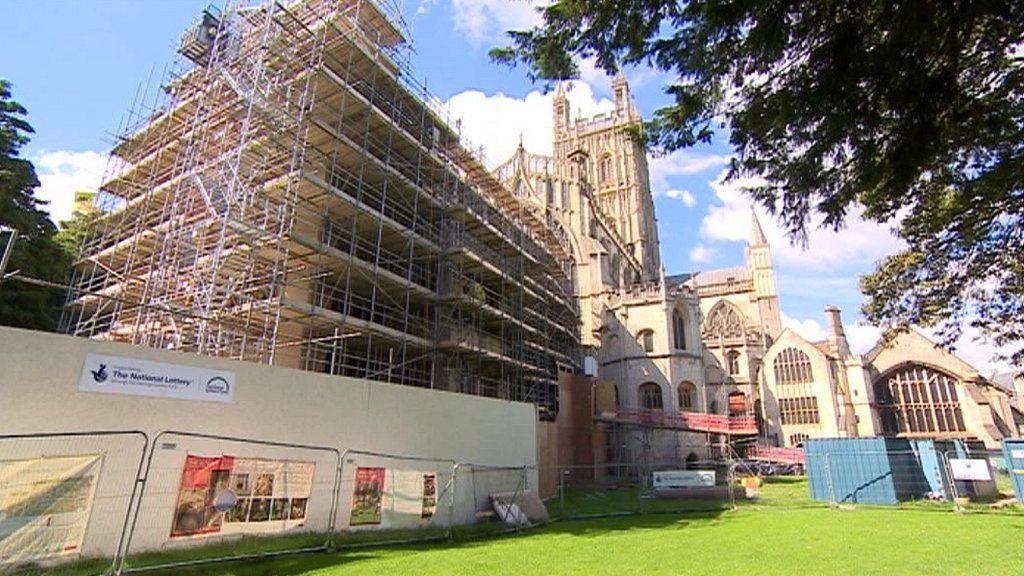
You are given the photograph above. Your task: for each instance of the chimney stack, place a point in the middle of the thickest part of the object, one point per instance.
(837, 343)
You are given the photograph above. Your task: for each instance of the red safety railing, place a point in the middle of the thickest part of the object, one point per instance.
(697, 421)
(777, 454)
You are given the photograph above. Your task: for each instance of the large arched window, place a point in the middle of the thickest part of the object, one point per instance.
(725, 322)
(793, 366)
(679, 329)
(650, 397)
(732, 361)
(916, 399)
(646, 340)
(687, 396)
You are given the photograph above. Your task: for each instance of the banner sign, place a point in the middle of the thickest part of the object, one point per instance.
(225, 494)
(366, 496)
(970, 469)
(44, 506)
(684, 479)
(119, 375)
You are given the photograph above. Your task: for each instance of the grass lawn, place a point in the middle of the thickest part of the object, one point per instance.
(783, 532)
(859, 542)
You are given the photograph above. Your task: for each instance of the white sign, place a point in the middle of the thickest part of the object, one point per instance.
(1017, 454)
(684, 479)
(967, 469)
(119, 375)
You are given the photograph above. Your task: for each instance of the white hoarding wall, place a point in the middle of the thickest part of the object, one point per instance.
(91, 386)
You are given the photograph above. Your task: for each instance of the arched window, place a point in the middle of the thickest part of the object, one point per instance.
(604, 169)
(687, 396)
(793, 366)
(732, 361)
(917, 399)
(646, 340)
(650, 397)
(679, 329)
(725, 322)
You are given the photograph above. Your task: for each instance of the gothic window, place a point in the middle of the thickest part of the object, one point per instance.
(732, 360)
(646, 339)
(793, 366)
(679, 329)
(802, 410)
(550, 192)
(724, 322)
(687, 396)
(650, 397)
(565, 196)
(797, 439)
(604, 170)
(916, 399)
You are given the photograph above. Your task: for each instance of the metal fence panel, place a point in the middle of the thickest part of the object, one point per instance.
(67, 496)
(228, 498)
(387, 497)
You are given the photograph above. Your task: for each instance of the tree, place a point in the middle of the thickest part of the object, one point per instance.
(910, 112)
(36, 253)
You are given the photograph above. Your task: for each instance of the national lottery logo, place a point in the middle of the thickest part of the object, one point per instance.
(100, 376)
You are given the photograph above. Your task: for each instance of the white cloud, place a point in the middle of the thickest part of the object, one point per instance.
(862, 336)
(680, 163)
(858, 245)
(488, 20)
(62, 173)
(684, 195)
(977, 350)
(701, 254)
(812, 330)
(496, 122)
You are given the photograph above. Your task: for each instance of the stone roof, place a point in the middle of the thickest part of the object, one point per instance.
(1004, 380)
(721, 276)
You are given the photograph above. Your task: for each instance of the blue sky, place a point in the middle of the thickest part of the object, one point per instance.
(78, 66)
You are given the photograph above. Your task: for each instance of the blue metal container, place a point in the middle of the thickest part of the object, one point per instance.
(873, 470)
(1013, 450)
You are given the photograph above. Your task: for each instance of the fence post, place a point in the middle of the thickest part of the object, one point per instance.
(451, 502)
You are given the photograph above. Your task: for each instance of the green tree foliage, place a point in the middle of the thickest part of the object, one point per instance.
(36, 253)
(912, 112)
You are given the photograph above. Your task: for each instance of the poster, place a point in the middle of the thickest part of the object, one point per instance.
(224, 494)
(45, 505)
(366, 496)
(429, 495)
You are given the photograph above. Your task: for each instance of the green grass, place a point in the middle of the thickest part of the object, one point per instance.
(776, 541)
(782, 532)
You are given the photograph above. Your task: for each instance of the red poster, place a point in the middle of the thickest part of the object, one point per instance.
(201, 480)
(366, 496)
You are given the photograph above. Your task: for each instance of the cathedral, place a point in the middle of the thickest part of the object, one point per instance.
(689, 366)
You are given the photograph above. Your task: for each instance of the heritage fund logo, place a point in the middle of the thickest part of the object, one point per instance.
(100, 376)
(218, 385)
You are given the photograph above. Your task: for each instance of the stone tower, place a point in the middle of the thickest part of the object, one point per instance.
(616, 174)
(759, 264)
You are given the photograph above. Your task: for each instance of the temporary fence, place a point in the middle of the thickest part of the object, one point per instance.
(231, 494)
(401, 497)
(68, 495)
(122, 502)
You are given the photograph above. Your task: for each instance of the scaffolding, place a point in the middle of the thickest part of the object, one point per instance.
(295, 198)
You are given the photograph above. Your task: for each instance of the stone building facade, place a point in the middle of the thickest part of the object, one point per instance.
(640, 333)
(909, 388)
